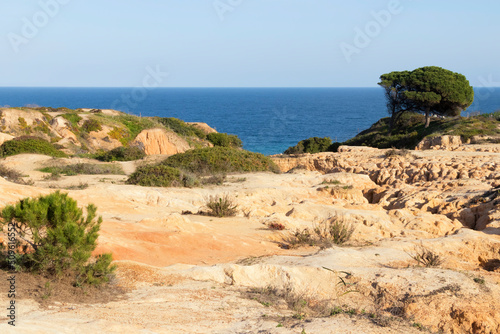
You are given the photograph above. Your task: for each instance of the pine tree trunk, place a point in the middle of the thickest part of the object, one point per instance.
(427, 118)
(391, 123)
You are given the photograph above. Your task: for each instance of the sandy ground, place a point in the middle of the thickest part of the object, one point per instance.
(192, 273)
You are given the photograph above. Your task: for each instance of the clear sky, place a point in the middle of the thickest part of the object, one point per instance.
(243, 43)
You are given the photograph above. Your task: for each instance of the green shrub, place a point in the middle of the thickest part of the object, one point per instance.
(121, 154)
(84, 168)
(334, 147)
(118, 134)
(98, 272)
(27, 144)
(73, 118)
(158, 176)
(134, 125)
(221, 206)
(224, 140)
(310, 145)
(56, 237)
(200, 166)
(220, 160)
(91, 125)
(22, 124)
(42, 127)
(181, 128)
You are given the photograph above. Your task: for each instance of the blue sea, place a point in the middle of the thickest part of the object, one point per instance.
(268, 120)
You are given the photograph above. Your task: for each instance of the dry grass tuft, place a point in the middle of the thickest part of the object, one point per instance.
(425, 257)
(221, 206)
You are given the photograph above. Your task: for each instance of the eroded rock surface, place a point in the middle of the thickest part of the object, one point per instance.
(189, 273)
(160, 141)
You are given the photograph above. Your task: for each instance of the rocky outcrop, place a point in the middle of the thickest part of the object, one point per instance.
(100, 140)
(18, 122)
(62, 128)
(108, 129)
(161, 141)
(449, 143)
(203, 127)
(450, 184)
(396, 169)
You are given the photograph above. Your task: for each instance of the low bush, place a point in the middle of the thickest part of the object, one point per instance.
(84, 168)
(310, 145)
(158, 176)
(118, 134)
(221, 206)
(201, 166)
(121, 154)
(97, 272)
(56, 238)
(334, 147)
(220, 160)
(224, 140)
(91, 125)
(73, 118)
(133, 126)
(28, 144)
(181, 128)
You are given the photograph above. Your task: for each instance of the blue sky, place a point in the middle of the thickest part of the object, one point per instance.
(244, 43)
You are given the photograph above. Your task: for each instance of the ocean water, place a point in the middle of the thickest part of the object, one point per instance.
(268, 120)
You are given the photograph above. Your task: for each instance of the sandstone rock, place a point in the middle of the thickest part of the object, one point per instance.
(482, 138)
(5, 137)
(441, 142)
(345, 149)
(362, 182)
(62, 127)
(160, 141)
(10, 119)
(100, 140)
